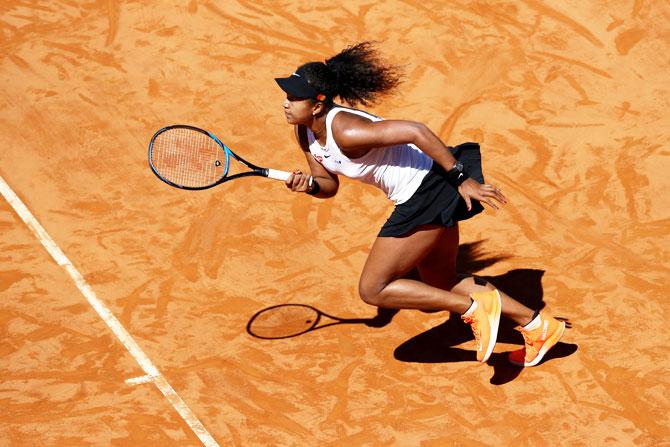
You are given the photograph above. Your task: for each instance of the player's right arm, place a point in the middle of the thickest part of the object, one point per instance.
(299, 181)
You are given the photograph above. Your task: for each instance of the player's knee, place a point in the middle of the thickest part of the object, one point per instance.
(369, 292)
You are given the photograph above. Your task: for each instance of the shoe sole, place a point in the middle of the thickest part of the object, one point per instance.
(493, 323)
(550, 343)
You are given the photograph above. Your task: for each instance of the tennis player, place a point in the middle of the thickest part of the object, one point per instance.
(412, 263)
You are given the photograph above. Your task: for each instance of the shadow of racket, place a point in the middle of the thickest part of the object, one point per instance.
(291, 320)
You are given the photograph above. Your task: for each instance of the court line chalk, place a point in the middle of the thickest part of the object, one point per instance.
(108, 317)
(140, 380)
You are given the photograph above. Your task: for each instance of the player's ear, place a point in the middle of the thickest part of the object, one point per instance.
(318, 108)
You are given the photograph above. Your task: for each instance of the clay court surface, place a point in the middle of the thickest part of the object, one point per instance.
(569, 101)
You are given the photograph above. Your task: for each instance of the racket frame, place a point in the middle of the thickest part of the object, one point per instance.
(256, 171)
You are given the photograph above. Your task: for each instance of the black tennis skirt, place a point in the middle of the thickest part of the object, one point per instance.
(436, 202)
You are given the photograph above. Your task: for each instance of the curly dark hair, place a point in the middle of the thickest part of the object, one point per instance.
(356, 74)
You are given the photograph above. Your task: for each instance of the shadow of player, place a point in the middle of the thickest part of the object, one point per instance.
(439, 344)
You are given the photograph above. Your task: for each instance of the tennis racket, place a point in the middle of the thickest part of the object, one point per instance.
(291, 320)
(190, 158)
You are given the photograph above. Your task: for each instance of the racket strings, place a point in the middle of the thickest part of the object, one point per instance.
(188, 158)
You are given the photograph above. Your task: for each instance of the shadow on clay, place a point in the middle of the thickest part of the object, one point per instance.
(438, 344)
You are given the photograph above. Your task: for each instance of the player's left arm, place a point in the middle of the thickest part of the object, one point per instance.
(354, 133)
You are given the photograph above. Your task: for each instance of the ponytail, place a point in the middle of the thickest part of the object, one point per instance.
(356, 75)
(360, 75)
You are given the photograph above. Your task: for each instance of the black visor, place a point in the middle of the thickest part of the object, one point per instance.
(297, 85)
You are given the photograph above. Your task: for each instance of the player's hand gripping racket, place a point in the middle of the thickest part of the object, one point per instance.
(190, 158)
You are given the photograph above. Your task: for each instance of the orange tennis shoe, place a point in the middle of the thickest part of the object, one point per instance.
(538, 341)
(484, 321)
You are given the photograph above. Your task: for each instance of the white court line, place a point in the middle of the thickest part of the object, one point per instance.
(140, 380)
(112, 322)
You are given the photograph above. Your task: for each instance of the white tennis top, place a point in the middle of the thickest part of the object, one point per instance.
(396, 170)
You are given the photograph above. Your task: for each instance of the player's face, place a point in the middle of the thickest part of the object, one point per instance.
(298, 110)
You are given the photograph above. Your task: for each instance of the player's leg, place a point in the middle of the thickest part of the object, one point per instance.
(438, 269)
(384, 283)
(384, 280)
(540, 331)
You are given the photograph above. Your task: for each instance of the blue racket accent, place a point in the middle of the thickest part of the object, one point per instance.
(191, 158)
(226, 151)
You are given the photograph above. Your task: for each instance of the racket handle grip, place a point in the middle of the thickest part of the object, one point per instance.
(283, 176)
(278, 175)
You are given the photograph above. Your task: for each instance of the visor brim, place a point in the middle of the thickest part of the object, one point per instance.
(295, 86)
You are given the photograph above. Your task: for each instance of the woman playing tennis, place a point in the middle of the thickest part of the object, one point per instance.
(433, 186)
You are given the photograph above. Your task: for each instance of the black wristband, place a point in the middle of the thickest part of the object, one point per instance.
(315, 188)
(456, 177)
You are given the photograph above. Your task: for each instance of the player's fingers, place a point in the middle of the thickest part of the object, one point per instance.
(490, 203)
(494, 192)
(502, 197)
(301, 182)
(296, 179)
(468, 202)
(309, 181)
(497, 193)
(499, 197)
(301, 185)
(304, 179)
(489, 198)
(289, 180)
